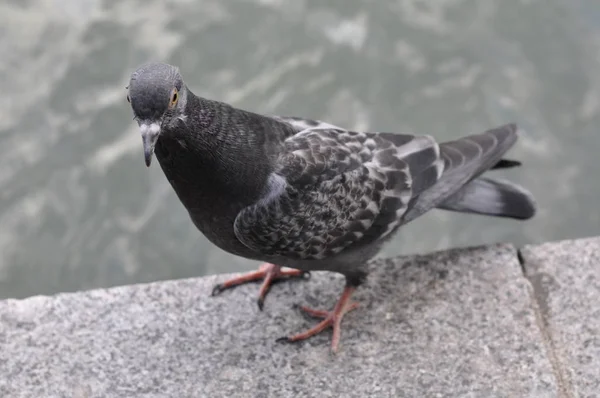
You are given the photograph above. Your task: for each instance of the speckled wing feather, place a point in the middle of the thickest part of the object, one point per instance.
(333, 188)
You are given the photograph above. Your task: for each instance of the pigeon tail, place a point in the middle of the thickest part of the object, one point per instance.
(492, 197)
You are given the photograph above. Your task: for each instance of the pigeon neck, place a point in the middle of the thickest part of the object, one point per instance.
(221, 153)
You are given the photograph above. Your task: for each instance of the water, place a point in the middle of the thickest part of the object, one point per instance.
(78, 208)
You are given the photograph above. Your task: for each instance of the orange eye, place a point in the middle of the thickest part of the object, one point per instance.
(174, 98)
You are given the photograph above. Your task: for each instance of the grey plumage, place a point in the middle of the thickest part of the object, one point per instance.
(335, 190)
(492, 197)
(307, 194)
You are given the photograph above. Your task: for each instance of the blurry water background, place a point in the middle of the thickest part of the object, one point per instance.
(79, 209)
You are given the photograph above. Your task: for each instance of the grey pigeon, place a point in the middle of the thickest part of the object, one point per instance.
(307, 195)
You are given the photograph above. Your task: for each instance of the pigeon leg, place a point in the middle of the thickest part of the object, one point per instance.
(269, 273)
(331, 319)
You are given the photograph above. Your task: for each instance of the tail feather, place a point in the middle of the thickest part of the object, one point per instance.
(465, 159)
(492, 197)
(506, 164)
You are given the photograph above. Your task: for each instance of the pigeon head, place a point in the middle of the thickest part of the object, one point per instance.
(157, 96)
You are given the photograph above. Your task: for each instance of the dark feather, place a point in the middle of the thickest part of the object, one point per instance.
(506, 164)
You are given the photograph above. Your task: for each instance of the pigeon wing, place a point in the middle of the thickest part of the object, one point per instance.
(334, 188)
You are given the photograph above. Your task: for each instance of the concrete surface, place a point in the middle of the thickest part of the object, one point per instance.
(465, 322)
(566, 282)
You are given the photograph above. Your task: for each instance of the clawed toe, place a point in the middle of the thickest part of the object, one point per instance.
(268, 273)
(331, 319)
(217, 289)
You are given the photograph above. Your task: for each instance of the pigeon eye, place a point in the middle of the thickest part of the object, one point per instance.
(174, 97)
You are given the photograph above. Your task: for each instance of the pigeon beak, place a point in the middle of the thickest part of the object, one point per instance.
(150, 133)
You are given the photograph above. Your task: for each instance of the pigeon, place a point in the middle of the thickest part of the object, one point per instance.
(303, 195)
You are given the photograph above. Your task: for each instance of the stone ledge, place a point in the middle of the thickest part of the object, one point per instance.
(565, 277)
(464, 322)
